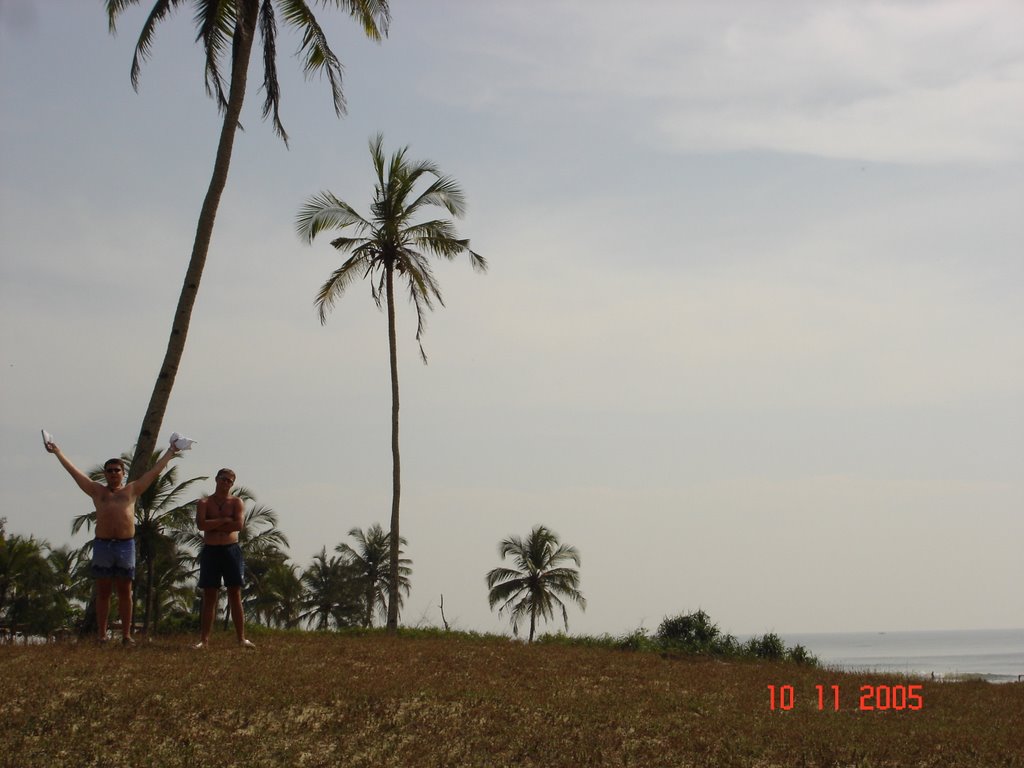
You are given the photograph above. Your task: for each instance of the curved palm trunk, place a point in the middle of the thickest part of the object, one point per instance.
(396, 471)
(242, 49)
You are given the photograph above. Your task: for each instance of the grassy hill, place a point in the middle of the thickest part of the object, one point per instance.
(307, 699)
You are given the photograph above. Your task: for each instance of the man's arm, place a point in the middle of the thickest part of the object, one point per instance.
(201, 515)
(90, 487)
(236, 521)
(140, 485)
(220, 524)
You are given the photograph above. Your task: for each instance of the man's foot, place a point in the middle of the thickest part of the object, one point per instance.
(200, 646)
(246, 644)
(128, 640)
(102, 640)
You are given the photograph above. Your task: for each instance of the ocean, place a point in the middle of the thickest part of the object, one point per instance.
(995, 655)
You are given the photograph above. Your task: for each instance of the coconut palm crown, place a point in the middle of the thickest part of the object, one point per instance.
(539, 580)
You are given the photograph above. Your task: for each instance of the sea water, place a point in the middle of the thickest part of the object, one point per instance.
(996, 655)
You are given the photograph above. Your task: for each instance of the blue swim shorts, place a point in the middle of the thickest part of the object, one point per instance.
(217, 561)
(113, 559)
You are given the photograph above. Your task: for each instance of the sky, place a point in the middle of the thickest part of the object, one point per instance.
(751, 340)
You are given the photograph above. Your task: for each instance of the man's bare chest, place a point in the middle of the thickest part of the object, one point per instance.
(218, 510)
(116, 499)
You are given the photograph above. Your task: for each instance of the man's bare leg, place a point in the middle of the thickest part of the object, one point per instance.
(207, 614)
(237, 616)
(124, 607)
(103, 589)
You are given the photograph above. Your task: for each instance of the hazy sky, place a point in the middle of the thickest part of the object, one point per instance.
(752, 338)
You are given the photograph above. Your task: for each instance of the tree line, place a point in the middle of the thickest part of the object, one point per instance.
(46, 590)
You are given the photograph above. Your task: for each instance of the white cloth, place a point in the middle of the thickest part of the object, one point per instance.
(180, 442)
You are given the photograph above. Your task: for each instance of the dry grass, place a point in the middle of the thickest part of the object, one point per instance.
(327, 700)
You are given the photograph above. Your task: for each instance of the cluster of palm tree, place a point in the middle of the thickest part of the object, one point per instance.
(346, 589)
(42, 588)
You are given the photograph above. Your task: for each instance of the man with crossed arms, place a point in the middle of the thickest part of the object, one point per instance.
(220, 518)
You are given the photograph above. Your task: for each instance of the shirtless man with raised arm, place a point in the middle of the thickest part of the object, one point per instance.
(113, 549)
(220, 518)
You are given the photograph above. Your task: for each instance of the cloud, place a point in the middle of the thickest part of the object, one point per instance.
(900, 82)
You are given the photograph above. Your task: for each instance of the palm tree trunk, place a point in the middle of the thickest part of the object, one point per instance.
(533, 622)
(241, 51)
(396, 472)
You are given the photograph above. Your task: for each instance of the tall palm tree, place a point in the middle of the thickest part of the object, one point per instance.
(391, 241)
(227, 30)
(159, 515)
(371, 559)
(539, 580)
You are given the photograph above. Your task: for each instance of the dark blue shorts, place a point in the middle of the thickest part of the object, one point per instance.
(221, 561)
(113, 559)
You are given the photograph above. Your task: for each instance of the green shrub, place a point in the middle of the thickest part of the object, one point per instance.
(800, 655)
(691, 631)
(769, 646)
(637, 640)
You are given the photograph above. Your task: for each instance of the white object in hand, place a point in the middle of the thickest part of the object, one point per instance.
(180, 442)
(47, 437)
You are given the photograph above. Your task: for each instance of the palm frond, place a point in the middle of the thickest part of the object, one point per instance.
(445, 192)
(335, 285)
(215, 21)
(271, 87)
(314, 50)
(144, 45)
(79, 521)
(564, 552)
(325, 211)
(114, 9)
(372, 14)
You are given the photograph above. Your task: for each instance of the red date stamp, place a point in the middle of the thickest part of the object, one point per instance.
(871, 698)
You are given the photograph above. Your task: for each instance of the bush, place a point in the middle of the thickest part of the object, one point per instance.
(800, 655)
(769, 646)
(637, 640)
(691, 631)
